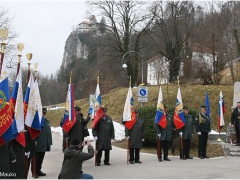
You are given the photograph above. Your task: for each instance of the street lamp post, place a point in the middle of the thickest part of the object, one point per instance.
(125, 65)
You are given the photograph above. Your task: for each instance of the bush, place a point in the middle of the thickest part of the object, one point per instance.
(148, 114)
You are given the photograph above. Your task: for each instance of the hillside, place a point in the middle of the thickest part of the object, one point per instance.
(192, 96)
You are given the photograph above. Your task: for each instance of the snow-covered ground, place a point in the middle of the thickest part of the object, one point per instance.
(119, 132)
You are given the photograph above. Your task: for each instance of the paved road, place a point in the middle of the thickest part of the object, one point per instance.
(216, 168)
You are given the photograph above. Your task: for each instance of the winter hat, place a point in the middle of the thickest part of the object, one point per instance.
(76, 142)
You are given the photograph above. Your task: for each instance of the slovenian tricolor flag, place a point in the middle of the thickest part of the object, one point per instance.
(178, 119)
(69, 118)
(32, 101)
(129, 114)
(221, 111)
(98, 112)
(17, 110)
(6, 133)
(160, 114)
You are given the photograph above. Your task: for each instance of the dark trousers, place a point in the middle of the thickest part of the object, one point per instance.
(202, 143)
(39, 160)
(164, 145)
(106, 157)
(136, 158)
(186, 148)
(237, 134)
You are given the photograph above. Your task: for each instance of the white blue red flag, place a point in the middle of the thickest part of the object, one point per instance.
(98, 112)
(69, 118)
(129, 114)
(33, 115)
(221, 111)
(160, 118)
(17, 110)
(178, 118)
(6, 133)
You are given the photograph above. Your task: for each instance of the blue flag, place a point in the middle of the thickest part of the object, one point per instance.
(207, 103)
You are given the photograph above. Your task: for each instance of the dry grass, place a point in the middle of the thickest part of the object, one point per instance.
(192, 95)
(213, 150)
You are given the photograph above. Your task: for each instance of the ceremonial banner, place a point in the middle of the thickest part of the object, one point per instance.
(178, 119)
(97, 107)
(207, 103)
(221, 111)
(17, 110)
(69, 118)
(6, 133)
(129, 114)
(160, 118)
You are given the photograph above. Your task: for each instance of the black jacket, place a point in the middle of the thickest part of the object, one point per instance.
(234, 117)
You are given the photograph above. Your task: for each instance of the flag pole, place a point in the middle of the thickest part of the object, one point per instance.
(128, 140)
(219, 137)
(181, 139)
(4, 35)
(70, 82)
(159, 142)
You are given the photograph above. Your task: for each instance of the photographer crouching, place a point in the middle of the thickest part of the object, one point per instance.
(73, 159)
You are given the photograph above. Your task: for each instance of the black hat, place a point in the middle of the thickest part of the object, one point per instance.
(185, 107)
(204, 106)
(104, 109)
(165, 106)
(77, 108)
(75, 142)
(44, 110)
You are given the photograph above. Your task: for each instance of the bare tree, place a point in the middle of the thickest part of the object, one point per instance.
(128, 21)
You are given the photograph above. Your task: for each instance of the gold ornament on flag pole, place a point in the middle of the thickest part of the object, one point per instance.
(178, 80)
(35, 69)
(4, 35)
(20, 47)
(29, 57)
(70, 74)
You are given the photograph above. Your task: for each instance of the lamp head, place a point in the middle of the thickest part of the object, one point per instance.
(124, 66)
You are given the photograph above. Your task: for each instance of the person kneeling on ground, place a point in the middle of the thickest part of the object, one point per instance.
(73, 159)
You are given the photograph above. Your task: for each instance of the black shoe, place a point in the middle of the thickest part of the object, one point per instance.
(40, 173)
(189, 157)
(201, 157)
(98, 164)
(183, 158)
(167, 159)
(35, 176)
(237, 145)
(139, 162)
(107, 163)
(206, 157)
(160, 160)
(131, 162)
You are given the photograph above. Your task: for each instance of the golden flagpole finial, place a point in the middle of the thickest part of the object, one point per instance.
(35, 69)
(70, 74)
(98, 75)
(130, 81)
(29, 57)
(4, 35)
(20, 47)
(160, 79)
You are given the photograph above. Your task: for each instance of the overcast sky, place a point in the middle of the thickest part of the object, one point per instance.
(43, 27)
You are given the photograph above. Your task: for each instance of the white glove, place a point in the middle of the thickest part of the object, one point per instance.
(142, 139)
(13, 161)
(95, 138)
(159, 135)
(27, 154)
(208, 133)
(181, 133)
(128, 137)
(199, 133)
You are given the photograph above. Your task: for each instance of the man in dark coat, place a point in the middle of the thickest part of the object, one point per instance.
(203, 129)
(73, 159)
(186, 132)
(235, 118)
(103, 133)
(78, 128)
(44, 142)
(7, 156)
(165, 135)
(136, 135)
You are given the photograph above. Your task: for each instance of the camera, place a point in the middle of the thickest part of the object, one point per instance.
(85, 142)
